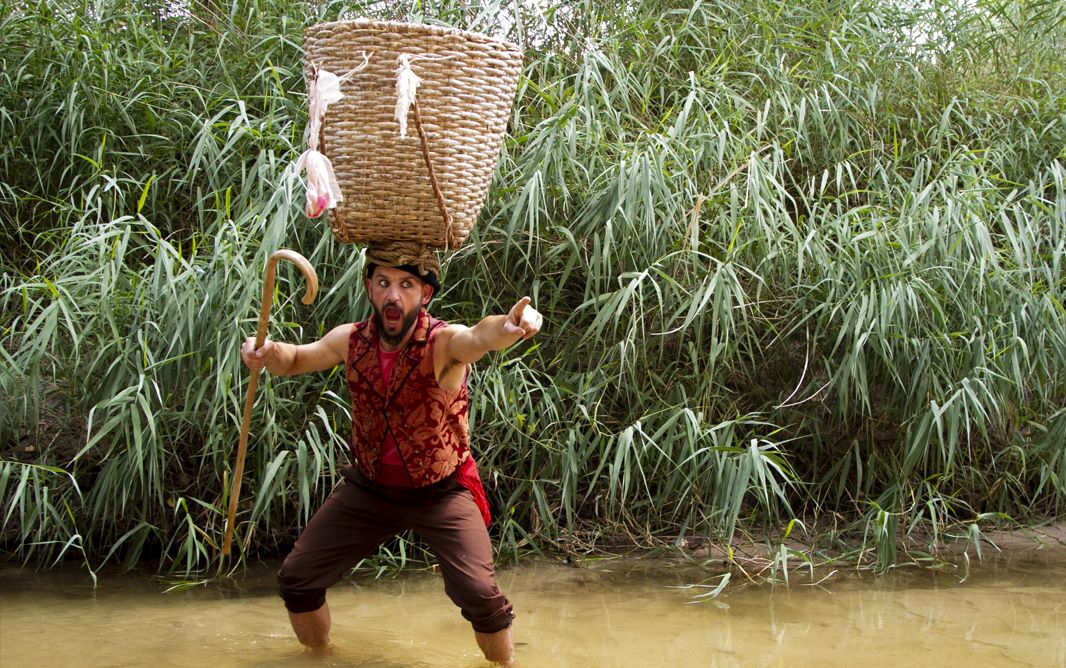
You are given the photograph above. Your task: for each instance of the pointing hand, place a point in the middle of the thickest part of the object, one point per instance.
(523, 320)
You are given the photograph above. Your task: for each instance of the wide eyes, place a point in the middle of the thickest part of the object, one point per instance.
(404, 285)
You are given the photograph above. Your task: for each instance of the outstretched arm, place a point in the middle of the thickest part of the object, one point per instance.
(460, 346)
(289, 359)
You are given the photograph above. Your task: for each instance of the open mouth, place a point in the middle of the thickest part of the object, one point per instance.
(392, 314)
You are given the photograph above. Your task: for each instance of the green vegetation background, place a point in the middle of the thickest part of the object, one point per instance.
(797, 260)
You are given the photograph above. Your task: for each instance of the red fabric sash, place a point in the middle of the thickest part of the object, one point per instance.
(468, 478)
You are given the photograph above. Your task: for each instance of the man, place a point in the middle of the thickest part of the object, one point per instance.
(407, 373)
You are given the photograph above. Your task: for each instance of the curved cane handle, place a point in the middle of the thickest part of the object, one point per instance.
(268, 287)
(249, 398)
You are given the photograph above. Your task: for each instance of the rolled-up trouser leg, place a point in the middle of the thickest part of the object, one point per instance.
(349, 526)
(456, 533)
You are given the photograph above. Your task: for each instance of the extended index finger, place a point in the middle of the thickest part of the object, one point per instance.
(519, 308)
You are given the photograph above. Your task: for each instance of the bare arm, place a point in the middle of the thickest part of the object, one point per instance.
(289, 359)
(458, 346)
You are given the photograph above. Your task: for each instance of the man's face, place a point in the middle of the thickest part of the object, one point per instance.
(397, 297)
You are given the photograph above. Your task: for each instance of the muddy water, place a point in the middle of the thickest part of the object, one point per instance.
(1002, 613)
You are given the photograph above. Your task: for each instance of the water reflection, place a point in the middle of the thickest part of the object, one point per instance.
(610, 613)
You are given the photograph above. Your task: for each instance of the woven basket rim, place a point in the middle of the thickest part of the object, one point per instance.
(403, 26)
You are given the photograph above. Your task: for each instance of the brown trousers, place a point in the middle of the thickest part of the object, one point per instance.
(359, 516)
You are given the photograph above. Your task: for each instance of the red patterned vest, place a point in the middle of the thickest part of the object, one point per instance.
(428, 423)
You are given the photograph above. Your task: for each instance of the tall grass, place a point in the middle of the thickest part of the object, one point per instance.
(795, 260)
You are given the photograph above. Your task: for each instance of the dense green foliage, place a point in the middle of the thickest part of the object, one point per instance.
(796, 260)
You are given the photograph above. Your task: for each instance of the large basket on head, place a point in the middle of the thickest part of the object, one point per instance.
(468, 84)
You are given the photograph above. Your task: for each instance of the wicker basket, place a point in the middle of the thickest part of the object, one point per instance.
(468, 87)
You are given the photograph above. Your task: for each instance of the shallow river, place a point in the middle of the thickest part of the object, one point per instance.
(1002, 613)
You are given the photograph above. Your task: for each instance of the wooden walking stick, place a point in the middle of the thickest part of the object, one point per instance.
(249, 398)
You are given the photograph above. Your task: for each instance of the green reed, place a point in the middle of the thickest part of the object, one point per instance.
(795, 261)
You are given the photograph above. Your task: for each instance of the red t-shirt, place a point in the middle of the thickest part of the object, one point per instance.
(391, 470)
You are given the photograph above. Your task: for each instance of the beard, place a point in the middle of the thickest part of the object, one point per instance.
(405, 326)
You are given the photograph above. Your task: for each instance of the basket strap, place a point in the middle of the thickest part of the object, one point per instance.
(433, 178)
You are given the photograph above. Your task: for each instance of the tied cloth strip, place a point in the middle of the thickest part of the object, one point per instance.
(323, 190)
